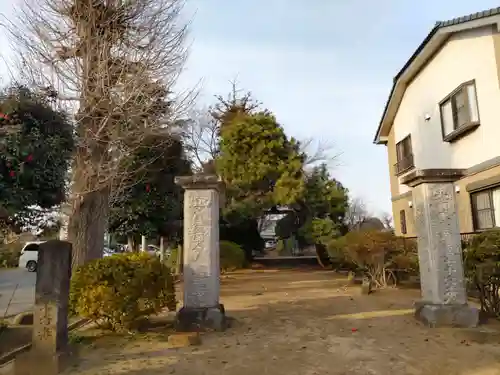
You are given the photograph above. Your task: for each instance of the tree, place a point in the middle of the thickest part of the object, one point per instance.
(36, 143)
(202, 137)
(321, 209)
(152, 204)
(356, 214)
(259, 164)
(203, 130)
(119, 61)
(387, 220)
(325, 197)
(372, 223)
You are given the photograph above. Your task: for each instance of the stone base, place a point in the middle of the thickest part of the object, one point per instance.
(434, 315)
(33, 363)
(184, 339)
(201, 319)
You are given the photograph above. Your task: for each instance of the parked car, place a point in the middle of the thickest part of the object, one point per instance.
(153, 250)
(270, 244)
(108, 252)
(29, 256)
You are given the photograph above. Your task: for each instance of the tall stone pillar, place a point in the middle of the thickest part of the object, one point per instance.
(201, 308)
(444, 298)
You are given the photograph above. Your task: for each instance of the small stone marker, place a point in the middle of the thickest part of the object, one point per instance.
(202, 309)
(50, 316)
(444, 298)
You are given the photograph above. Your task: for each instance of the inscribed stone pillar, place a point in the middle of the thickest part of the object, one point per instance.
(50, 315)
(201, 308)
(444, 297)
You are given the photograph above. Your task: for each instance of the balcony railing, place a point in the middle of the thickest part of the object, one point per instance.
(404, 164)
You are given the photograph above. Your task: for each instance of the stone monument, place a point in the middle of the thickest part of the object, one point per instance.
(444, 297)
(201, 309)
(50, 315)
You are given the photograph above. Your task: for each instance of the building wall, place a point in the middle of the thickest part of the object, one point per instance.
(392, 159)
(463, 196)
(464, 208)
(402, 203)
(466, 56)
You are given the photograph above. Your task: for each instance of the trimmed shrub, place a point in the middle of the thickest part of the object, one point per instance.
(232, 256)
(338, 257)
(482, 270)
(280, 246)
(374, 253)
(117, 291)
(245, 233)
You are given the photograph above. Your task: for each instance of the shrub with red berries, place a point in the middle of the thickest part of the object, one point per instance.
(36, 143)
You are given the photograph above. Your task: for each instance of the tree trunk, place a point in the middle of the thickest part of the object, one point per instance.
(162, 250)
(179, 266)
(130, 243)
(143, 244)
(87, 225)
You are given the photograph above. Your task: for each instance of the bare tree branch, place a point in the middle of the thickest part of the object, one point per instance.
(357, 214)
(202, 137)
(387, 220)
(114, 63)
(318, 152)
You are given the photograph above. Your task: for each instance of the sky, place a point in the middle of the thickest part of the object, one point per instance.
(323, 67)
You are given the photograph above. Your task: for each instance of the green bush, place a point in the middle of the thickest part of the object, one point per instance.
(171, 261)
(338, 257)
(375, 253)
(232, 256)
(280, 246)
(482, 269)
(318, 231)
(116, 291)
(9, 254)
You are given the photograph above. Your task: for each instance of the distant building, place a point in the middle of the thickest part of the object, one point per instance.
(267, 223)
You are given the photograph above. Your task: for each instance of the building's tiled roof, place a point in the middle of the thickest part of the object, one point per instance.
(438, 25)
(470, 17)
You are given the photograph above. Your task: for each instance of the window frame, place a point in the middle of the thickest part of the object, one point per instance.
(459, 131)
(31, 247)
(409, 158)
(402, 221)
(491, 208)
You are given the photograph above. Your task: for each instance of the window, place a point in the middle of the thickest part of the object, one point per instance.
(404, 155)
(31, 247)
(459, 111)
(486, 208)
(402, 221)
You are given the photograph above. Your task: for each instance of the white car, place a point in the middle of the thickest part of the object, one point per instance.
(270, 243)
(29, 256)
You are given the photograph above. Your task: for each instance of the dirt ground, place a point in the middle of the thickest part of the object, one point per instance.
(304, 323)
